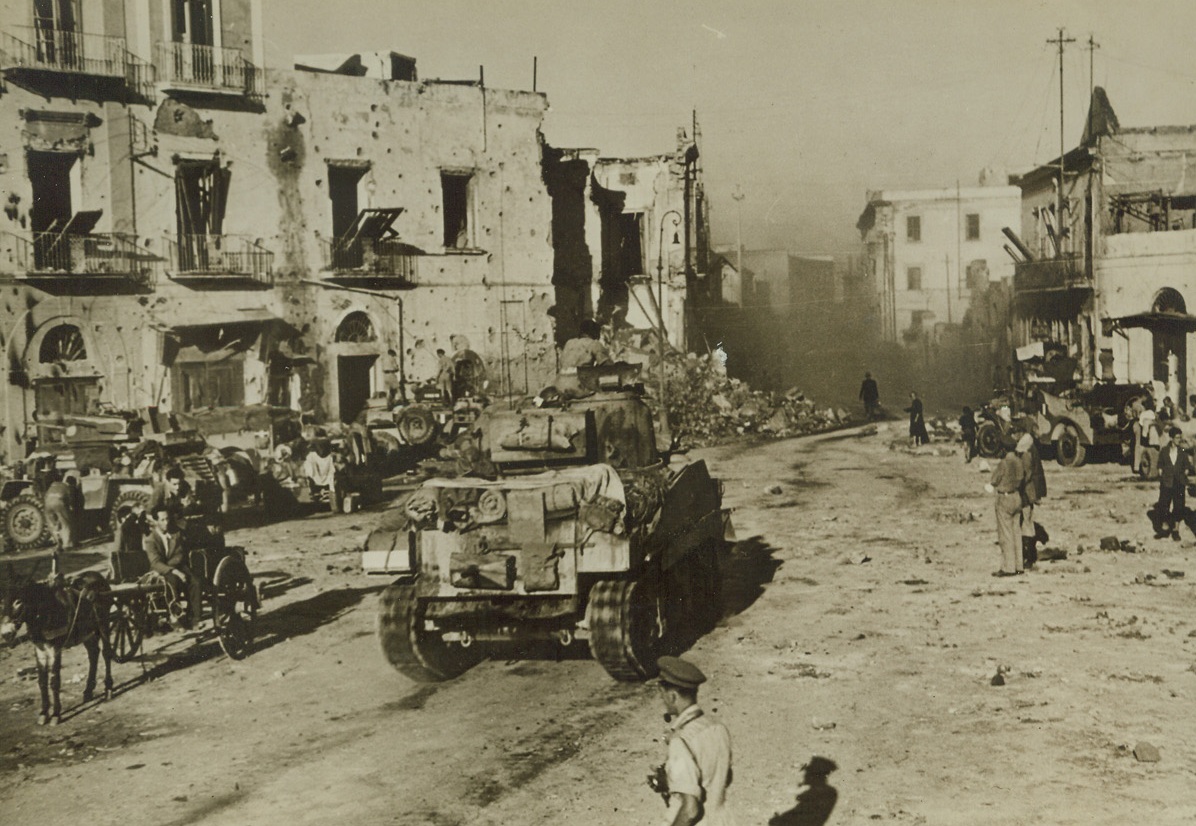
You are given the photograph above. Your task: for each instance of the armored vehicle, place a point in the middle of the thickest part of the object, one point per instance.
(568, 526)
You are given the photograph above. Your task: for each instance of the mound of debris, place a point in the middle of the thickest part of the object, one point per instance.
(705, 406)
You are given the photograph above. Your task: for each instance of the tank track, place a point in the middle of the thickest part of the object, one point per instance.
(408, 648)
(624, 628)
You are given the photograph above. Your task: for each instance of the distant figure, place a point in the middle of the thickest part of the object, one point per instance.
(1167, 411)
(870, 396)
(60, 507)
(1175, 465)
(585, 350)
(917, 424)
(444, 375)
(967, 429)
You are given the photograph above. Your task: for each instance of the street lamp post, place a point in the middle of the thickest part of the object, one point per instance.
(662, 334)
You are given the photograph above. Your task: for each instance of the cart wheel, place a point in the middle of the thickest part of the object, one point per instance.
(126, 628)
(234, 607)
(25, 522)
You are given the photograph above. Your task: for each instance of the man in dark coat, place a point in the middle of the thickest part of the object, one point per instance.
(167, 554)
(917, 424)
(870, 396)
(1175, 465)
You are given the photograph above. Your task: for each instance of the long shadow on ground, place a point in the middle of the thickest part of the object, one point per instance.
(746, 568)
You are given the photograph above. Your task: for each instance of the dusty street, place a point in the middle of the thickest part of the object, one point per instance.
(862, 626)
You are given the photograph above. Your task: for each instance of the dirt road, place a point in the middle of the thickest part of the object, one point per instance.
(862, 626)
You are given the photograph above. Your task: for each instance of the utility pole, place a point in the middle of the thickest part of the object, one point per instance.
(738, 196)
(1092, 47)
(947, 266)
(1061, 228)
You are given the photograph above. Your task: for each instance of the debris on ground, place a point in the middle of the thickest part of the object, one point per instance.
(706, 406)
(1146, 753)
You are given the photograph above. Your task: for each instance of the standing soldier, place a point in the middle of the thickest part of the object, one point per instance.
(698, 768)
(1009, 482)
(60, 507)
(444, 375)
(870, 396)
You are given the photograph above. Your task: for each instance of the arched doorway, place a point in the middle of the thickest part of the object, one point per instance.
(64, 379)
(1170, 340)
(354, 363)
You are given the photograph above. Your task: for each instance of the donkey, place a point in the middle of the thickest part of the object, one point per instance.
(58, 616)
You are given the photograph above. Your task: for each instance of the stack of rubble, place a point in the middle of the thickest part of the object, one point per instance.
(705, 406)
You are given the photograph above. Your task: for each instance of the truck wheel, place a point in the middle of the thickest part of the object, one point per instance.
(1148, 465)
(988, 440)
(1069, 450)
(416, 425)
(410, 648)
(25, 522)
(126, 502)
(625, 628)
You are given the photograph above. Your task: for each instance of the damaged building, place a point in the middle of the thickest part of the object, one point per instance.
(186, 232)
(629, 239)
(927, 251)
(1107, 263)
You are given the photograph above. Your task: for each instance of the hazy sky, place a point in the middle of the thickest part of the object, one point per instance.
(804, 105)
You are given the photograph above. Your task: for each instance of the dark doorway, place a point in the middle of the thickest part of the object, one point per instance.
(342, 192)
(50, 212)
(353, 378)
(455, 188)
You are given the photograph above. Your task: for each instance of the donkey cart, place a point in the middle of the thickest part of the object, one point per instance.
(142, 602)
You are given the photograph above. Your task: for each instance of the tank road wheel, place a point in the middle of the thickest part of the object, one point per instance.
(409, 647)
(126, 628)
(416, 425)
(126, 502)
(234, 606)
(625, 628)
(25, 522)
(988, 440)
(1069, 450)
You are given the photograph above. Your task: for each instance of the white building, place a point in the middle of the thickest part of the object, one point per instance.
(926, 250)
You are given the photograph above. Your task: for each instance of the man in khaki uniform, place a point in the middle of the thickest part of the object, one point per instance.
(698, 768)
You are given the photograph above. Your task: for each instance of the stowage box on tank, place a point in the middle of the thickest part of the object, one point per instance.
(578, 530)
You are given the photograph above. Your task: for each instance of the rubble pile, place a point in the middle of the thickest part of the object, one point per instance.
(705, 406)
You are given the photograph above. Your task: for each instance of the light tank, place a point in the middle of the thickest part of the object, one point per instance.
(569, 526)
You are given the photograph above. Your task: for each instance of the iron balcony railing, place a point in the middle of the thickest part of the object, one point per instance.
(372, 257)
(63, 50)
(192, 66)
(1050, 275)
(100, 254)
(221, 256)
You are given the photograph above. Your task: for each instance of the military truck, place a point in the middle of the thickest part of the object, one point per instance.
(570, 526)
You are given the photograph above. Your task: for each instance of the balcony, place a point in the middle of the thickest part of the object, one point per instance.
(217, 260)
(102, 262)
(186, 67)
(1051, 275)
(381, 261)
(46, 49)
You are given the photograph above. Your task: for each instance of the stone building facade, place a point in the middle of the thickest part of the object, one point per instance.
(187, 232)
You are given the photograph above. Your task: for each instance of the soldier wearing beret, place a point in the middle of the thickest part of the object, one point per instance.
(698, 768)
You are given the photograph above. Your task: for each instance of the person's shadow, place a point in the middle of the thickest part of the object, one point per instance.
(815, 803)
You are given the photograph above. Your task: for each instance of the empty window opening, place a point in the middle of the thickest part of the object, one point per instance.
(913, 228)
(456, 188)
(56, 24)
(193, 22)
(202, 385)
(631, 244)
(201, 193)
(344, 184)
(913, 278)
(973, 226)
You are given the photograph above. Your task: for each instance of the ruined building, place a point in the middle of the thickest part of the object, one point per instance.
(630, 239)
(185, 231)
(1108, 264)
(927, 251)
